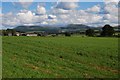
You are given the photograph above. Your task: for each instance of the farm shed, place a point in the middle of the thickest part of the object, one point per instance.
(31, 34)
(17, 34)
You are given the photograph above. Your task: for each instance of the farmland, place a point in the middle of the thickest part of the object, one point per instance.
(60, 57)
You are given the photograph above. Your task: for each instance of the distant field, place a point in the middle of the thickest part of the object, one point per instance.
(60, 57)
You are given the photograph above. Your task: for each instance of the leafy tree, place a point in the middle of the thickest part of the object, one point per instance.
(107, 30)
(90, 32)
(67, 34)
(12, 31)
(6, 32)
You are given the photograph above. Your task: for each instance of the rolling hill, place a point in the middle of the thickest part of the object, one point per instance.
(52, 28)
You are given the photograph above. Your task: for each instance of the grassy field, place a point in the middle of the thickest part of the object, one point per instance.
(0, 57)
(60, 57)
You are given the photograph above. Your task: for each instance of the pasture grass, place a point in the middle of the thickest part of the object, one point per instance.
(60, 57)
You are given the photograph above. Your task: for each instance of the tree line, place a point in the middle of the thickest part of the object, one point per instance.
(106, 31)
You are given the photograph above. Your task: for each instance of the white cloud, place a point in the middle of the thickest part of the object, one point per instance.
(39, 18)
(64, 16)
(111, 18)
(25, 17)
(107, 16)
(68, 1)
(59, 11)
(110, 1)
(95, 8)
(9, 20)
(25, 4)
(41, 10)
(67, 5)
(78, 16)
(30, 17)
(52, 21)
(64, 13)
(112, 13)
(111, 8)
(26, 0)
(44, 23)
(51, 16)
(81, 21)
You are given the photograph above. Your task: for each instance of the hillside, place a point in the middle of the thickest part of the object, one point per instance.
(70, 27)
(35, 28)
(56, 29)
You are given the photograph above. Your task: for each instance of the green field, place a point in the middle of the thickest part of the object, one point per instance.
(60, 57)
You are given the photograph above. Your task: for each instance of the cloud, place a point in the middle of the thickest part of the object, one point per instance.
(59, 11)
(40, 18)
(111, 8)
(25, 4)
(30, 17)
(64, 16)
(25, 17)
(111, 1)
(41, 10)
(68, 1)
(52, 21)
(44, 23)
(67, 5)
(9, 20)
(51, 17)
(110, 18)
(26, 0)
(95, 9)
(79, 17)
(64, 13)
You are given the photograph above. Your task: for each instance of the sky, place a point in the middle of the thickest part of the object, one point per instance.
(95, 14)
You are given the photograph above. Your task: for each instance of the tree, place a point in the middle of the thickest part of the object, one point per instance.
(67, 34)
(90, 32)
(107, 30)
(12, 31)
(4, 33)
(9, 31)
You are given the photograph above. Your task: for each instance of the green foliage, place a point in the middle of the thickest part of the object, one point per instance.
(60, 57)
(67, 34)
(107, 30)
(90, 32)
(6, 32)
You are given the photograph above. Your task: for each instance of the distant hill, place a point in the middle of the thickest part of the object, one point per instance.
(35, 28)
(56, 29)
(77, 26)
(50, 29)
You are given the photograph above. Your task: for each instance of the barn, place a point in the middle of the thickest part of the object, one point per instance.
(31, 34)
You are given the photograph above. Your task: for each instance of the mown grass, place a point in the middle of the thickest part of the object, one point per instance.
(0, 57)
(60, 57)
